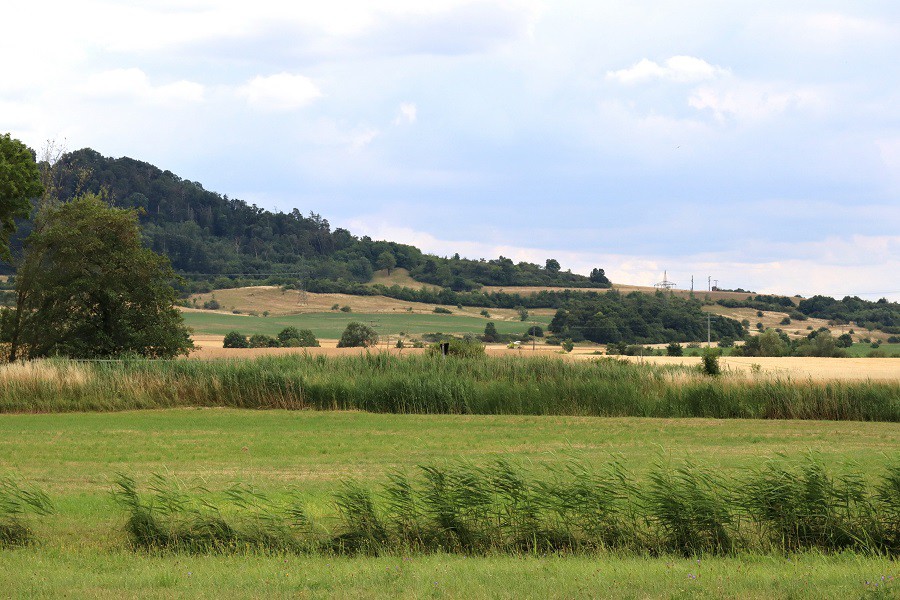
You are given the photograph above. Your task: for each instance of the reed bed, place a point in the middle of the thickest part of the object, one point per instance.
(499, 508)
(380, 382)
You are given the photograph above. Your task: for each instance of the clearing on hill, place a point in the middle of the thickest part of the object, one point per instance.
(399, 277)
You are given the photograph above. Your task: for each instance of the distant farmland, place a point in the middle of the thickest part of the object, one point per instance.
(330, 325)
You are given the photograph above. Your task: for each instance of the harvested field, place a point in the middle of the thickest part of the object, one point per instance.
(209, 347)
(794, 367)
(278, 302)
(772, 320)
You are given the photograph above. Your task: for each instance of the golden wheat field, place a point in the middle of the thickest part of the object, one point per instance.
(209, 347)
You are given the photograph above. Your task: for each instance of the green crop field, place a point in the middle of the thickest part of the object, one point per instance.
(330, 325)
(81, 551)
(862, 350)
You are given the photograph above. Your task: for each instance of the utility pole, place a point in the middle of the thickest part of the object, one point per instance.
(692, 284)
(709, 283)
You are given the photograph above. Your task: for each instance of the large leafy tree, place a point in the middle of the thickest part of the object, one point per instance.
(356, 335)
(87, 288)
(20, 181)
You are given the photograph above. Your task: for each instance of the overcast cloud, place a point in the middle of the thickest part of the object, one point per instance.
(754, 142)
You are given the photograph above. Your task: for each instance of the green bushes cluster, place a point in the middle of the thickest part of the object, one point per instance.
(289, 337)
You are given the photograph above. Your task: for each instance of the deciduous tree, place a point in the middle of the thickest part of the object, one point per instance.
(88, 289)
(20, 181)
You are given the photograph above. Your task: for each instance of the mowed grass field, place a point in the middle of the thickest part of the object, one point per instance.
(82, 549)
(330, 325)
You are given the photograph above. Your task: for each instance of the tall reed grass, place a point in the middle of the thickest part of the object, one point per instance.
(687, 510)
(380, 382)
(17, 500)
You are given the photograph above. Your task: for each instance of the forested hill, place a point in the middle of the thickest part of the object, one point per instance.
(209, 236)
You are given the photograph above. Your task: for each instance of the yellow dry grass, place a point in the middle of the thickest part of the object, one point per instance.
(399, 277)
(42, 371)
(277, 301)
(772, 320)
(795, 367)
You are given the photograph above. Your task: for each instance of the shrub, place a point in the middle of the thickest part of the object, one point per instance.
(710, 365)
(759, 313)
(357, 335)
(346, 309)
(785, 321)
(291, 337)
(485, 313)
(233, 339)
(466, 347)
(568, 345)
(490, 333)
(674, 349)
(442, 311)
(535, 331)
(212, 304)
(335, 306)
(259, 340)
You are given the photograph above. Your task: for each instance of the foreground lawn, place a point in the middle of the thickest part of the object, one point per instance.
(82, 553)
(81, 573)
(75, 456)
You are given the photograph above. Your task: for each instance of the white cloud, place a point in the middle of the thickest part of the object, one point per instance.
(679, 69)
(752, 101)
(836, 266)
(361, 139)
(135, 84)
(407, 113)
(282, 91)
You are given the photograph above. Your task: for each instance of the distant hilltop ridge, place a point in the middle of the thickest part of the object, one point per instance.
(209, 236)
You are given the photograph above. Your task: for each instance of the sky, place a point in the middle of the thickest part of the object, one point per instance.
(757, 143)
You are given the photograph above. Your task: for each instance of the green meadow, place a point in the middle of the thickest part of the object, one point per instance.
(82, 550)
(330, 325)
